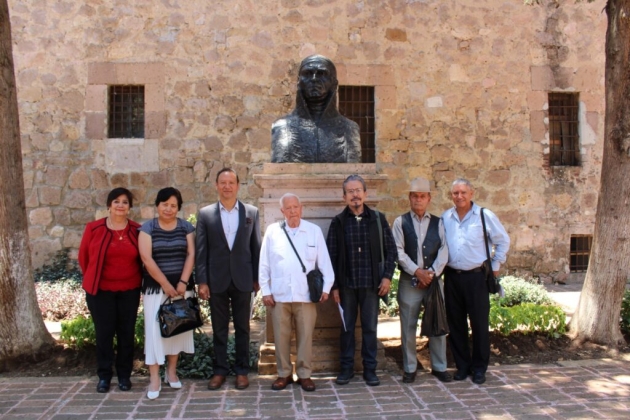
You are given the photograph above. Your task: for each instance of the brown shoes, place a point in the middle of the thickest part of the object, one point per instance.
(281, 383)
(307, 384)
(241, 382)
(216, 382)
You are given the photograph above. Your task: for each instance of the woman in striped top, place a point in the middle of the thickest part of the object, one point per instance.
(167, 248)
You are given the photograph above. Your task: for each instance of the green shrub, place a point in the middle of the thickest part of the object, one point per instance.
(260, 312)
(139, 329)
(79, 332)
(391, 308)
(199, 364)
(518, 290)
(625, 312)
(526, 318)
(61, 268)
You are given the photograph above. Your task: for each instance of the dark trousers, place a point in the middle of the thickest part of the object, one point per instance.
(114, 314)
(352, 301)
(220, 316)
(466, 295)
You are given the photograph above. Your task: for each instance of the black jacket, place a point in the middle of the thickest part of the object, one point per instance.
(338, 250)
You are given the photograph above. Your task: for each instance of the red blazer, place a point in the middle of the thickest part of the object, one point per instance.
(96, 239)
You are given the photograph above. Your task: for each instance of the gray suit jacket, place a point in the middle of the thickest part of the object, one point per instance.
(216, 265)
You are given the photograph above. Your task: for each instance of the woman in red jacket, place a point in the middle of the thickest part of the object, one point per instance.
(112, 276)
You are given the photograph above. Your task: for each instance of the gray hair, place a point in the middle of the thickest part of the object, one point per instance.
(463, 181)
(288, 195)
(351, 178)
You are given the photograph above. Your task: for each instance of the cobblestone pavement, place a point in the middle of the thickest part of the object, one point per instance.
(575, 390)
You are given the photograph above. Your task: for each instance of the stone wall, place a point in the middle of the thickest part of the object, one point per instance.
(461, 90)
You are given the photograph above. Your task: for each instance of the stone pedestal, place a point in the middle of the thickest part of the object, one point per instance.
(319, 187)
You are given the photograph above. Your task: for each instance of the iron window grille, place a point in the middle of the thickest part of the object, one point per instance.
(126, 111)
(580, 252)
(564, 139)
(357, 104)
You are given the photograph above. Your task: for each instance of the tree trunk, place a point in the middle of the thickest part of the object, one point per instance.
(22, 330)
(596, 318)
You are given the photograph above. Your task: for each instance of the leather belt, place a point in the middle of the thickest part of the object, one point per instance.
(474, 270)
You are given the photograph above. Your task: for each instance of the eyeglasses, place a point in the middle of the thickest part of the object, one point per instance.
(354, 191)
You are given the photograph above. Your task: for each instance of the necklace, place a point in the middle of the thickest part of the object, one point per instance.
(122, 231)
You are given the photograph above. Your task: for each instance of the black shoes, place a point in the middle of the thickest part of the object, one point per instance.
(479, 377)
(370, 378)
(461, 375)
(344, 377)
(124, 384)
(442, 376)
(102, 386)
(409, 378)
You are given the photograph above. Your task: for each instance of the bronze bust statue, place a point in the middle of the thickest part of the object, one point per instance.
(315, 132)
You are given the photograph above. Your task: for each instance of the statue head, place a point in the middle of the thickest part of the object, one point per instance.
(317, 77)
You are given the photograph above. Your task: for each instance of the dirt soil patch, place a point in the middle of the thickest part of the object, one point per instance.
(63, 360)
(519, 348)
(513, 349)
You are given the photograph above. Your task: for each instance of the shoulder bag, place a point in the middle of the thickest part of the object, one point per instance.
(314, 278)
(493, 283)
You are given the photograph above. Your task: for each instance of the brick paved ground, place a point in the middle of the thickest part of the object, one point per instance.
(585, 389)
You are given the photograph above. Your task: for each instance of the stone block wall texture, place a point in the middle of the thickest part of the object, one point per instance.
(461, 91)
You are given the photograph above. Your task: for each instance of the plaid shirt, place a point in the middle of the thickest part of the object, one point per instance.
(357, 250)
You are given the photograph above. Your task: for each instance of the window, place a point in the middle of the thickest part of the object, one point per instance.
(357, 104)
(126, 112)
(564, 140)
(580, 252)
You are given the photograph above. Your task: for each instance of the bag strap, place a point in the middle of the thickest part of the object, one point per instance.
(282, 226)
(485, 238)
(380, 233)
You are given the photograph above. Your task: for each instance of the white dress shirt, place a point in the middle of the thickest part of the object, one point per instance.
(466, 246)
(279, 271)
(229, 220)
(421, 227)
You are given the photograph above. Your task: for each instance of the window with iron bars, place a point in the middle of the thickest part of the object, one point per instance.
(580, 252)
(357, 103)
(126, 112)
(564, 139)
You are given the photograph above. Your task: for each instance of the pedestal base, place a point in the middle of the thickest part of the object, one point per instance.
(319, 187)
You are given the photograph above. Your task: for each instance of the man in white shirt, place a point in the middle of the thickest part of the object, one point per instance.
(285, 289)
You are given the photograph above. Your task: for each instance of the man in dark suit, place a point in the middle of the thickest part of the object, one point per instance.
(228, 249)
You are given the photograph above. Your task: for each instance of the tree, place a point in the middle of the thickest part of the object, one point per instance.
(596, 318)
(22, 329)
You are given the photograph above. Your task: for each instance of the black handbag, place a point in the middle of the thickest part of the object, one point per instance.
(492, 282)
(179, 315)
(434, 322)
(314, 278)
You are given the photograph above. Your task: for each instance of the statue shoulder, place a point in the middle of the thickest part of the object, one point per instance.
(352, 124)
(280, 123)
